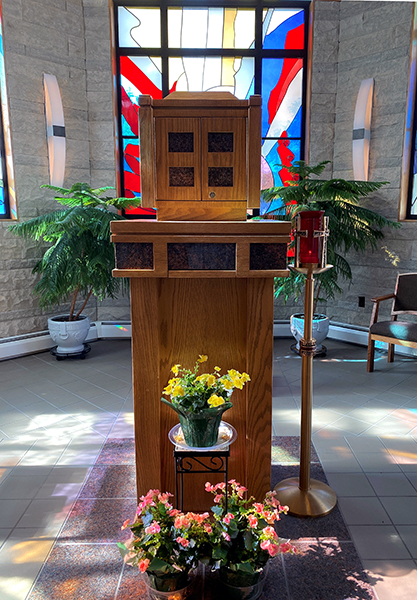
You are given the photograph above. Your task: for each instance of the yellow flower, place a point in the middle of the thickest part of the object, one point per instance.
(167, 391)
(202, 358)
(233, 373)
(178, 390)
(175, 369)
(227, 383)
(215, 400)
(245, 377)
(211, 380)
(237, 383)
(217, 369)
(202, 377)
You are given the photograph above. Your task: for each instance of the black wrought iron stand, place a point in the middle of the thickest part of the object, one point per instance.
(189, 461)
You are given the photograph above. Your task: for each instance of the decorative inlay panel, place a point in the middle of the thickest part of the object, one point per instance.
(265, 257)
(181, 176)
(134, 255)
(220, 176)
(210, 257)
(179, 141)
(220, 142)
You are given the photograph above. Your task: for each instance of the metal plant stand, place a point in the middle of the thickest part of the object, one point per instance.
(189, 462)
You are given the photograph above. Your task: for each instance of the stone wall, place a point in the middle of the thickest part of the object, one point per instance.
(355, 41)
(374, 41)
(71, 39)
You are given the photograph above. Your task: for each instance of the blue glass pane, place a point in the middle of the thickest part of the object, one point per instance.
(2, 202)
(283, 29)
(276, 155)
(282, 83)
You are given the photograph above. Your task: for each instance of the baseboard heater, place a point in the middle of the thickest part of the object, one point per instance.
(41, 341)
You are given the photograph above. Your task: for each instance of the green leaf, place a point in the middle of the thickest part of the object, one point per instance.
(248, 540)
(245, 567)
(158, 565)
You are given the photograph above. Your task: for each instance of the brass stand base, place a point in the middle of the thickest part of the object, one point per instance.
(318, 501)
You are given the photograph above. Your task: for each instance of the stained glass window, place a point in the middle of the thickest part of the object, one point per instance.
(7, 189)
(253, 47)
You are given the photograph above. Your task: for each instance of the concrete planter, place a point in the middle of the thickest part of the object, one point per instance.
(321, 325)
(68, 335)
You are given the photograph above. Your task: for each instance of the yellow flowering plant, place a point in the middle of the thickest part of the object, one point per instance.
(190, 392)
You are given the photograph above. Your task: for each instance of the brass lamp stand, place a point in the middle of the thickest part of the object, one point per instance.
(307, 497)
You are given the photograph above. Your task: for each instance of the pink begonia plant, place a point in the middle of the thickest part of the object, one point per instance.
(165, 543)
(244, 537)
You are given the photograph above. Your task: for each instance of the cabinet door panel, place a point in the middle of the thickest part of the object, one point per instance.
(178, 162)
(223, 143)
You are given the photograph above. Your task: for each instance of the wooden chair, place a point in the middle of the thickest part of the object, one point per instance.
(394, 332)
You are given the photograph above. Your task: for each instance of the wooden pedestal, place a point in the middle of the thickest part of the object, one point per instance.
(226, 314)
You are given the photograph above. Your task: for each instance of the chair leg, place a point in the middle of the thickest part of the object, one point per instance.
(371, 352)
(391, 348)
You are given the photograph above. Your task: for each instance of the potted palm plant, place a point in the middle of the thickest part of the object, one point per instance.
(79, 260)
(352, 227)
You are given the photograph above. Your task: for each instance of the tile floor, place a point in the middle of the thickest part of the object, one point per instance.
(56, 416)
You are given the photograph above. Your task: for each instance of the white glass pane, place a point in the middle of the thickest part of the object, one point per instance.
(212, 73)
(210, 28)
(244, 28)
(139, 27)
(215, 28)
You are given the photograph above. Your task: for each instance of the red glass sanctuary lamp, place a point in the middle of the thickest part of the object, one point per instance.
(311, 230)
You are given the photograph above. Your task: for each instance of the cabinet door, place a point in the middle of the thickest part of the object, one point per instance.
(178, 159)
(223, 143)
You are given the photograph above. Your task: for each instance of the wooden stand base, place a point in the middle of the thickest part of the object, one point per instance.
(175, 320)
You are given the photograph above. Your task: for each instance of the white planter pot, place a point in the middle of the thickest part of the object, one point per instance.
(68, 335)
(321, 325)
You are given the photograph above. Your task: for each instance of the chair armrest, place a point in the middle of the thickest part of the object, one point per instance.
(375, 309)
(380, 298)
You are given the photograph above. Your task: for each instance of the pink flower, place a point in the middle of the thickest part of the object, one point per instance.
(253, 521)
(270, 531)
(273, 549)
(125, 524)
(232, 481)
(228, 518)
(218, 498)
(208, 528)
(184, 543)
(164, 497)
(153, 528)
(220, 486)
(258, 507)
(226, 536)
(241, 491)
(143, 565)
(287, 547)
(181, 521)
(174, 512)
(209, 487)
(270, 547)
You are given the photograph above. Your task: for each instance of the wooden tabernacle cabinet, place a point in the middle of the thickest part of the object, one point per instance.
(201, 279)
(203, 149)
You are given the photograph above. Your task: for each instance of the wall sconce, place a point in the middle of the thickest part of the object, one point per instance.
(362, 130)
(55, 130)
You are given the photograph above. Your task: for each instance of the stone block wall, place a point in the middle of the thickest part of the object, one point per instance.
(374, 41)
(71, 40)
